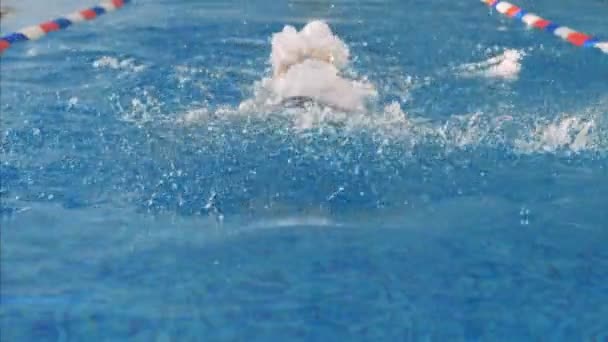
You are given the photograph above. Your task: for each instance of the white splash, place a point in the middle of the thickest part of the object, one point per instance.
(308, 64)
(522, 133)
(506, 65)
(142, 109)
(116, 64)
(193, 116)
(566, 133)
(314, 41)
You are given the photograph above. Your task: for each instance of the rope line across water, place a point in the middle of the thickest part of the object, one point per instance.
(533, 20)
(37, 31)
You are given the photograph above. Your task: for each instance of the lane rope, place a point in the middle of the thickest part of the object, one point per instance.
(38, 31)
(532, 20)
(506, 8)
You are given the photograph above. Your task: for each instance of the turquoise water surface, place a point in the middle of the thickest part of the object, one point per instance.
(143, 200)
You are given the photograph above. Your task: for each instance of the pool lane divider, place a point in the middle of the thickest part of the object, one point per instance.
(532, 20)
(38, 31)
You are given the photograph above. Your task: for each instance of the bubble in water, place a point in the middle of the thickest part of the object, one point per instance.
(524, 214)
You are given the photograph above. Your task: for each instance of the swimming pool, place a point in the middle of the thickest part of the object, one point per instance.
(149, 194)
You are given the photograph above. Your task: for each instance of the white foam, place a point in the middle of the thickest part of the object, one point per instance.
(314, 41)
(193, 116)
(506, 65)
(522, 133)
(308, 63)
(571, 133)
(141, 109)
(321, 81)
(116, 64)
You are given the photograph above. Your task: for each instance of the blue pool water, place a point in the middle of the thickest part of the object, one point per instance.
(142, 201)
